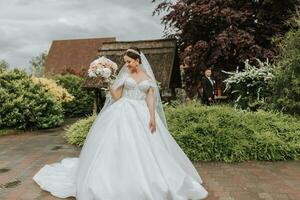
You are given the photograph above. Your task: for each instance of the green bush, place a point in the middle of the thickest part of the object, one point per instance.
(221, 133)
(82, 104)
(286, 84)
(25, 104)
(77, 132)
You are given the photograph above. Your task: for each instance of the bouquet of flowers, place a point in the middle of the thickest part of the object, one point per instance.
(104, 68)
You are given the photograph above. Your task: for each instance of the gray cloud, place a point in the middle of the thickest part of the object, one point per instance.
(28, 27)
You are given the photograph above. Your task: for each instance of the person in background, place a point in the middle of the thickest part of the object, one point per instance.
(208, 87)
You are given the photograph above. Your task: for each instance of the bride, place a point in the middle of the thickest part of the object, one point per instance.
(128, 153)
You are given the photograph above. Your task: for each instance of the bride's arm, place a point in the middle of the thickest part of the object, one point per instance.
(151, 107)
(117, 93)
(150, 102)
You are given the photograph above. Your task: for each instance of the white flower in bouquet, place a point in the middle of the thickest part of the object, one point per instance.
(114, 66)
(99, 71)
(92, 74)
(92, 71)
(106, 73)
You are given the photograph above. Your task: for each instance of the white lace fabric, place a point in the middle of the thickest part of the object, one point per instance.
(134, 90)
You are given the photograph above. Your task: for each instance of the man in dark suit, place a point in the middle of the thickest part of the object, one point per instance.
(208, 86)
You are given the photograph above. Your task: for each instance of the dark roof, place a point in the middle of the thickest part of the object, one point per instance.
(161, 53)
(73, 53)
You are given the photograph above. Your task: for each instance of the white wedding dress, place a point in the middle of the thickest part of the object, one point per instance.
(122, 160)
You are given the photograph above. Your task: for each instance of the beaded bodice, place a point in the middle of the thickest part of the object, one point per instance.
(136, 90)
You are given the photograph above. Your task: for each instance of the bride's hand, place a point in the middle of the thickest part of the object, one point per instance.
(152, 125)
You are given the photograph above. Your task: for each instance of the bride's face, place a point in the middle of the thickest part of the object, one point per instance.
(131, 63)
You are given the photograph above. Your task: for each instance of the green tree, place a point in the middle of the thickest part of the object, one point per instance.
(223, 34)
(286, 84)
(3, 65)
(37, 64)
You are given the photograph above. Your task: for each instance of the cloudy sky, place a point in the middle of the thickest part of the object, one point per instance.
(27, 27)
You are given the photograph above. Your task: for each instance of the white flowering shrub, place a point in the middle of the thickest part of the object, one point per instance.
(250, 86)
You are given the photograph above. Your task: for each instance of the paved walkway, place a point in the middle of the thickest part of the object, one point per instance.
(22, 155)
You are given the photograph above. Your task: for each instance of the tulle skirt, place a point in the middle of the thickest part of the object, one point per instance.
(122, 159)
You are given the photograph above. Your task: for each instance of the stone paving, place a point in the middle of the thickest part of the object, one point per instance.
(22, 155)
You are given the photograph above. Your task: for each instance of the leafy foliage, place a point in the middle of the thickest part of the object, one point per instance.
(251, 86)
(25, 104)
(3, 65)
(77, 132)
(286, 84)
(37, 64)
(82, 104)
(220, 133)
(223, 34)
(59, 93)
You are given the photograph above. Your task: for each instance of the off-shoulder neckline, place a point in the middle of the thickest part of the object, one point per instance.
(139, 81)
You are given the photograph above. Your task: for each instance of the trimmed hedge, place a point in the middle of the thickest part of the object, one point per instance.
(221, 133)
(77, 132)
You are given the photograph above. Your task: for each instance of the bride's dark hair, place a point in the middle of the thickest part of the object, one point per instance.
(134, 55)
